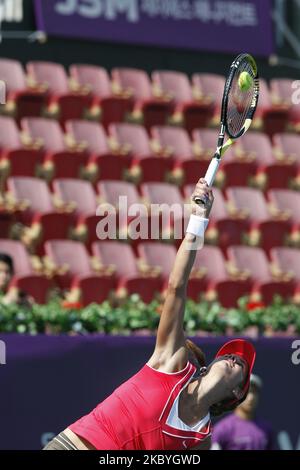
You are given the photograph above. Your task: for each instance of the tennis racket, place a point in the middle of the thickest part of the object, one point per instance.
(238, 108)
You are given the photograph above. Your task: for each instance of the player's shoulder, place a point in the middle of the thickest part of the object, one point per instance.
(170, 363)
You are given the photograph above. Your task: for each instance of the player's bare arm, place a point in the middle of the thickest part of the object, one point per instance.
(170, 351)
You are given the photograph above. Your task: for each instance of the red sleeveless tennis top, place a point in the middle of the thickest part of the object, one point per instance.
(134, 416)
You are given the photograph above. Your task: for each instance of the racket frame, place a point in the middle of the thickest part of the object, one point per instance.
(221, 146)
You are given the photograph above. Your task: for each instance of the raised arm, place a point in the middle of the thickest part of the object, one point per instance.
(170, 352)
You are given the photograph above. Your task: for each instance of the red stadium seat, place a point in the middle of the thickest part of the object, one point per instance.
(148, 226)
(21, 259)
(158, 254)
(168, 197)
(112, 190)
(234, 171)
(209, 258)
(206, 140)
(20, 99)
(135, 82)
(6, 221)
(62, 100)
(273, 117)
(176, 142)
(216, 278)
(249, 200)
(288, 261)
(288, 147)
(79, 192)
(266, 230)
(109, 166)
(152, 110)
(24, 277)
(287, 202)
(224, 229)
(64, 162)
(121, 256)
(274, 172)
(211, 87)
(176, 85)
(160, 193)
(16, 159)
(111, 107)
(282, 90)
(41, 209)
(83, 195)
(135, 138)
(255, 262)
(130, 209)
(79, 275)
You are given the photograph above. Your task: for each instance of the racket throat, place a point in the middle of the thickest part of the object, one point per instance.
(221, 138)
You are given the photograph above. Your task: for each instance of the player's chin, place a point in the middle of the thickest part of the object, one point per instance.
(220, 366)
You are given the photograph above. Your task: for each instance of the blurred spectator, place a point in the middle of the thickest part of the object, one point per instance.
(10, 295)
(6, 271)
(241, 430)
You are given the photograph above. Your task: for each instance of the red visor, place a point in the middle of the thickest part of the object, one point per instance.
(241, 348)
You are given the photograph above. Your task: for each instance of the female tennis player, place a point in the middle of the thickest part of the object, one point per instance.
(169, 402)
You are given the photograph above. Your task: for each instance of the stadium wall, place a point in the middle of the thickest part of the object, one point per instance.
(68, 51)
(48, 382)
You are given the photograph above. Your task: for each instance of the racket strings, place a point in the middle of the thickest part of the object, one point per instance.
(239, 101)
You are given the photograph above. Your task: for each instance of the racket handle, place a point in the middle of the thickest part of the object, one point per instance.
(210, 176)
(212, 171)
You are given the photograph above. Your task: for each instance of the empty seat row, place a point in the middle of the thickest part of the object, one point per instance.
(128, 152)
(238, 214)
(90, 90)
(245, 272)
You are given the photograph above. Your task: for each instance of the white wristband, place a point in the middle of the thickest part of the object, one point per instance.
(197, 225)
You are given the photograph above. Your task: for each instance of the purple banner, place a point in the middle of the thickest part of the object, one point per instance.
(211, 25)
(47, 382)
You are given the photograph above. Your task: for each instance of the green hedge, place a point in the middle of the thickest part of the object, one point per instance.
(135, 316)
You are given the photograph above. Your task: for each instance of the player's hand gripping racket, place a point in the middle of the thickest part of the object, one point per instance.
(239, 103)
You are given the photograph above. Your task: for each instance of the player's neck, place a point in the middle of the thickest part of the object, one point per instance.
(210, 391)
(247, 416)
(196, 400)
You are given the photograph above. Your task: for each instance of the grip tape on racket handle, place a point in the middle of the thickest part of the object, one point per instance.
(210, 176)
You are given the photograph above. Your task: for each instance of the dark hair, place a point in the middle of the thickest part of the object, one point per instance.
(228, 404)
(4, 258)
(196, 352)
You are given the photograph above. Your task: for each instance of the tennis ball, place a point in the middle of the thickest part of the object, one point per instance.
(245, 81)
